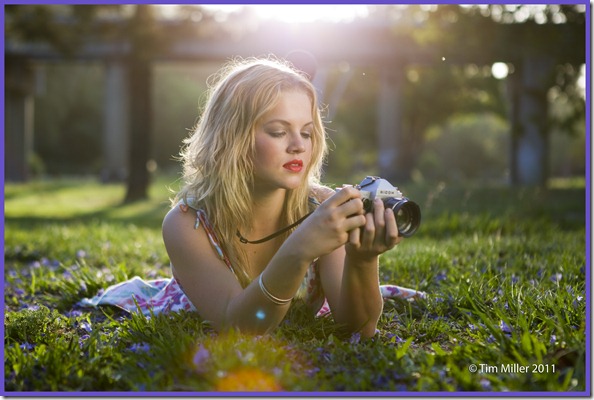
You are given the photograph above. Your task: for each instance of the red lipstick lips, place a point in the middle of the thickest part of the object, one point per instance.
(294, 165)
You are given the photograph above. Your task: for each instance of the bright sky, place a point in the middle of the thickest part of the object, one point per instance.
(300, 13)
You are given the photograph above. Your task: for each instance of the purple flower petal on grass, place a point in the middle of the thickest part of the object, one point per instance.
(395, 338)
(201, 356)
(51, 264)
(553, 339)
(441, 276)
(556, 277)
(355, 338)
(140, 347)
(74, 313)
(485, 384)
(82, 339)
(505, 328)
(86, 326)
(26, 346)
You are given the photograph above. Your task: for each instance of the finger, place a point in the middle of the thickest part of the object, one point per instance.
(369, 232)
(354, 222)
(378, 214)
(392, 237)
(352, 207)
(380, 222)
(342, 196)
(355, 238)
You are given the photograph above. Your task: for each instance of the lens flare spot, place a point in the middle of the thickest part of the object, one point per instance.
(248, 379)
(260, 315)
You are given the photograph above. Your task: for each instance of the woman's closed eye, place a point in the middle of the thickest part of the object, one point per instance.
(279, 134)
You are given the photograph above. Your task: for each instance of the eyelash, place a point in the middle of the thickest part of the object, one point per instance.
(306, 135)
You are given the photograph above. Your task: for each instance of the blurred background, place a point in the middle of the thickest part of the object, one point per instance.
(414, 93)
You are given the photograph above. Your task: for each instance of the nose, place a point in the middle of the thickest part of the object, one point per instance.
(297, 144)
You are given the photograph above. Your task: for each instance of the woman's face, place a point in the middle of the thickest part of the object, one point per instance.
(284, 143)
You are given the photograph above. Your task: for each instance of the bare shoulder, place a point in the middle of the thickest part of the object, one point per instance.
(177, 221)
(206, 280)
(179, 232)
(321, 192)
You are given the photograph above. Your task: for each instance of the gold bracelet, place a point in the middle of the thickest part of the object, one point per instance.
(270, 296)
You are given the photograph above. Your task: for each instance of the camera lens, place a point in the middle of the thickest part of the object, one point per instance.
(407, 213)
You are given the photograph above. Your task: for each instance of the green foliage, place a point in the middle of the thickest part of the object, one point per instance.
(179, 89)
(68, 132)
(470, 147)
(449, 73)
(504, 271)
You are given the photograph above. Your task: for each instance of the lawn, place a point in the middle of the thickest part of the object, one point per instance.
(505, 271)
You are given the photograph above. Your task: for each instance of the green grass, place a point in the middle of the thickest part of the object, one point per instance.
(504, 269)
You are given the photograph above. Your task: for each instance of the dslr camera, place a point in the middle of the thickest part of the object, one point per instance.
(407, 213)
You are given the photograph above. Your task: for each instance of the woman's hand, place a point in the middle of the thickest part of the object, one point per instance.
(331, 224)
(378, 235)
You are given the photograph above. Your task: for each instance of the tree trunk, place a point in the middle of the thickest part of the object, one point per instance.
(530, 122)
(139, 78)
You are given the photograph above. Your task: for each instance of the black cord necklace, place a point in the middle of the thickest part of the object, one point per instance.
(275, 234)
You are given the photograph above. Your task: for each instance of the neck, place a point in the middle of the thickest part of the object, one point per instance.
(267, 212)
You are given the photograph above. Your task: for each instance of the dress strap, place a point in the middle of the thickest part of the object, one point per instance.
(313, 202)
(202, 219)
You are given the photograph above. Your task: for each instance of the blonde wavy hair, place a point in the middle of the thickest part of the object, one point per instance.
(218, 170)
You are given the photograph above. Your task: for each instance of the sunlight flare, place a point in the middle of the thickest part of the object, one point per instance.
(298, 13)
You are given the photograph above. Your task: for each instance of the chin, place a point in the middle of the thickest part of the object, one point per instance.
(284, 184)
(290, 186)
(296, 182)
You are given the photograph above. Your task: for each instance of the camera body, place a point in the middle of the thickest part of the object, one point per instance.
(407, 212)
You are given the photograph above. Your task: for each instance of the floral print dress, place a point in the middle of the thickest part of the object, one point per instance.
(166, 294)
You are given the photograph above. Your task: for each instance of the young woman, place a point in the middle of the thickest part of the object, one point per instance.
(239, 253)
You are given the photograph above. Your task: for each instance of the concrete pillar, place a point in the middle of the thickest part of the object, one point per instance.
(18, 123)
(530, 141)
(116, 120)
(389, 116)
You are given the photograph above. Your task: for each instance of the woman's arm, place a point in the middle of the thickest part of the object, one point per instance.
(350, 275)
(212, 287)
(217, 294)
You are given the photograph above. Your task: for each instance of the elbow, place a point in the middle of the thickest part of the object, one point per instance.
(363, 323)
(257, 321)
